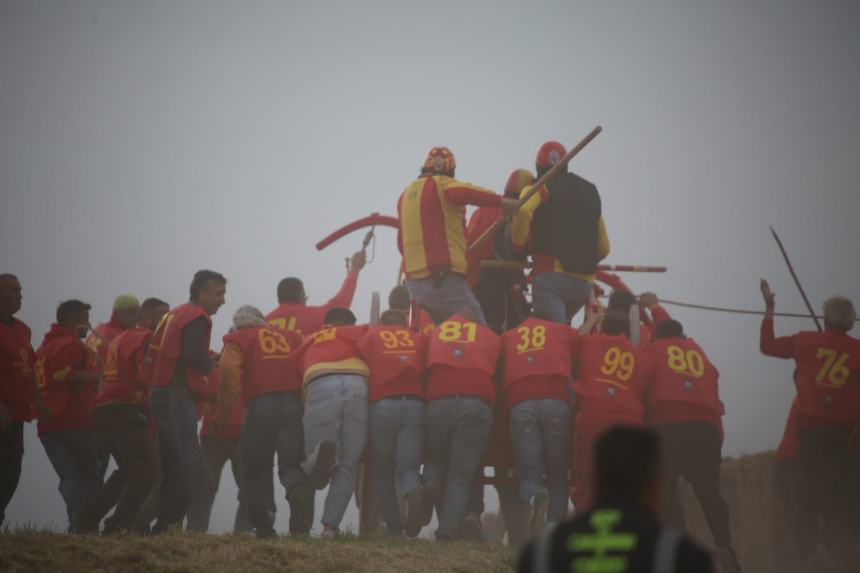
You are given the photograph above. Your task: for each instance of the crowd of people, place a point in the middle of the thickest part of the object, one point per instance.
(461, 372)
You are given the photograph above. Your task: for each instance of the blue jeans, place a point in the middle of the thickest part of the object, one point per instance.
(273, 424)
(336, 411)
(73, 455)
(175, 415)
(457, 431)
(560, 295)
(445, 299)
(540, 434)
(396, 442)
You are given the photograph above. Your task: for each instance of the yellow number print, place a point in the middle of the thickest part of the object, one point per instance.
(272, 342)
(39, 370)
(283, 324)
(395, 339)
(450, 331)
(834, 367)
(690, 362)
(110, 364)
(618, 363)
(531, 338)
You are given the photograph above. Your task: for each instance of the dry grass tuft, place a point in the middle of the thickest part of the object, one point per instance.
(27, 550)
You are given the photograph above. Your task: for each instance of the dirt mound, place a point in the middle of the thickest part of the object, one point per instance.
(759, 533)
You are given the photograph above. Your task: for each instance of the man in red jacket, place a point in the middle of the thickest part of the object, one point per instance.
(613, 375)
(292, 312)
(17, 387)
(395, 356)
(121, 420)
(685, 410)
(257, 368)
(335, 419)
(828, 419)
(179, 352)
(124, 316)
(461, 361)
(68, 381)
(537, 371)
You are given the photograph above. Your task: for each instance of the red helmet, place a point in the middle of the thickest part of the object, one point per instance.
(518, 179)
(549, 154)
(439, 160)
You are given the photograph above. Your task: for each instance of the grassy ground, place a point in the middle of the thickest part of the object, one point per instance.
(30, 551)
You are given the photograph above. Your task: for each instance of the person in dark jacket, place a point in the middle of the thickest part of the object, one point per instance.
(562, 227)
(620, 532)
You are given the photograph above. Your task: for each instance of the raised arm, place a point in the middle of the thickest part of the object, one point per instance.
(770, 345)
(347, 289)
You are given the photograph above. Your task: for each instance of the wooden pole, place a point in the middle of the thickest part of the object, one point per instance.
(796, 280)
(562, 163)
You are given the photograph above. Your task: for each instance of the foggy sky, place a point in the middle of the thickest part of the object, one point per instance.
(141, 141)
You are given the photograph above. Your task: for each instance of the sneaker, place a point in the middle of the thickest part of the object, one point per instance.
(537, 516)
(329, 532)
(267, 533)
(471, 529)
(429, 499)
(413, 523)
(301, 500)
(321, 471)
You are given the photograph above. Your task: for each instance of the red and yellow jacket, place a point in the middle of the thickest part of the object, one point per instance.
(305, 320)
(538, 357)
(432, 213)
(828, 374)
(106, 332)
(521, 234)
(685, 384)
(123, 373)
(461, 360)
(62, 354)
(211, 414)
(332, 350)
(395, 357)
(613, 375)
(258, 360)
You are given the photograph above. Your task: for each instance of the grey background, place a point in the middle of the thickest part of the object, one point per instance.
(141, 141)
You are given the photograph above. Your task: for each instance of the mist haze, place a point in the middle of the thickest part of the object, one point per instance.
(142, 141)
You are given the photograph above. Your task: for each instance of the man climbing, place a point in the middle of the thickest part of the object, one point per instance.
(432, 235)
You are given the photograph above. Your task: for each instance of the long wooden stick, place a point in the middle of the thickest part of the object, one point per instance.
(491, 231)
(796, 280)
